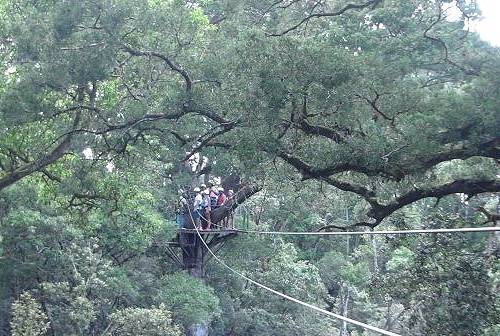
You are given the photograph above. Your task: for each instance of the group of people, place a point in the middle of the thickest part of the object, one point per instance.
(206, 200)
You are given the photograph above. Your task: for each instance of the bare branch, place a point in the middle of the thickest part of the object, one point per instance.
(341, 11)
(173, 66)
(443, 45)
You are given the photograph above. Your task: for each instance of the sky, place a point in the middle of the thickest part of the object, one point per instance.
(489, 26)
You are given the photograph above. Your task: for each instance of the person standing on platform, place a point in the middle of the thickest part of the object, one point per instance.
(181, 212)
(220, 202)
(230, 216)
(197, 208)
(206, 209)
(222, 197)
(214, 196)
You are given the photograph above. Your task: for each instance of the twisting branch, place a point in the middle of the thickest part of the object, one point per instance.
(470, 187)
(172, 65)
(443, 45)
(310, 172)
(341, 11)
(367, 194)
(299, 120)
(489, 149)
(208, 140)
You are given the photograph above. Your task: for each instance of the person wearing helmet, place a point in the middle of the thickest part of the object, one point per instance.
(222, 197)
(214, 196)
(206, 209)
(197, 207)
(181, 211)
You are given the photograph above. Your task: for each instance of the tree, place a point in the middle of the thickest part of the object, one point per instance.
(340, 113)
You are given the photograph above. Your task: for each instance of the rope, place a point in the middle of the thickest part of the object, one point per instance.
(305, 304)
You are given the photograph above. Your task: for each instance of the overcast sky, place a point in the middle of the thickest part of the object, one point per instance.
(489, 26)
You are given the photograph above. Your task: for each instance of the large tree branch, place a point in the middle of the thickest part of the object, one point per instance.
(487, 149)
(232, 203)
(395, 171)
(39, 165)
(310, 172)
(379, 212)
(367, 194)
(470, 187)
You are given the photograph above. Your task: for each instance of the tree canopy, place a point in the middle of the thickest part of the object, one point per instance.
(341, 113)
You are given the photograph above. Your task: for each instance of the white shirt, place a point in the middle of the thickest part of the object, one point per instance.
(197, 201)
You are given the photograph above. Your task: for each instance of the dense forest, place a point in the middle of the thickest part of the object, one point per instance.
(323, 116)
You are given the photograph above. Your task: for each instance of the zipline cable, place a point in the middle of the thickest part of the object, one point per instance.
(350, 233)
(387, 232)
(305, 304)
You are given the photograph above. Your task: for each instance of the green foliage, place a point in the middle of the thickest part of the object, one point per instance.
(70, 310)
(28, 318)
(190, 300)
(249, 310)
(155, 321)
(444, 274)
(401, 258)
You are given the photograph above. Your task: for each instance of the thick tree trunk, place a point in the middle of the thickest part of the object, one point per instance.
(193, 256)
(194, 250)
(375, 254)
(344, 308)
